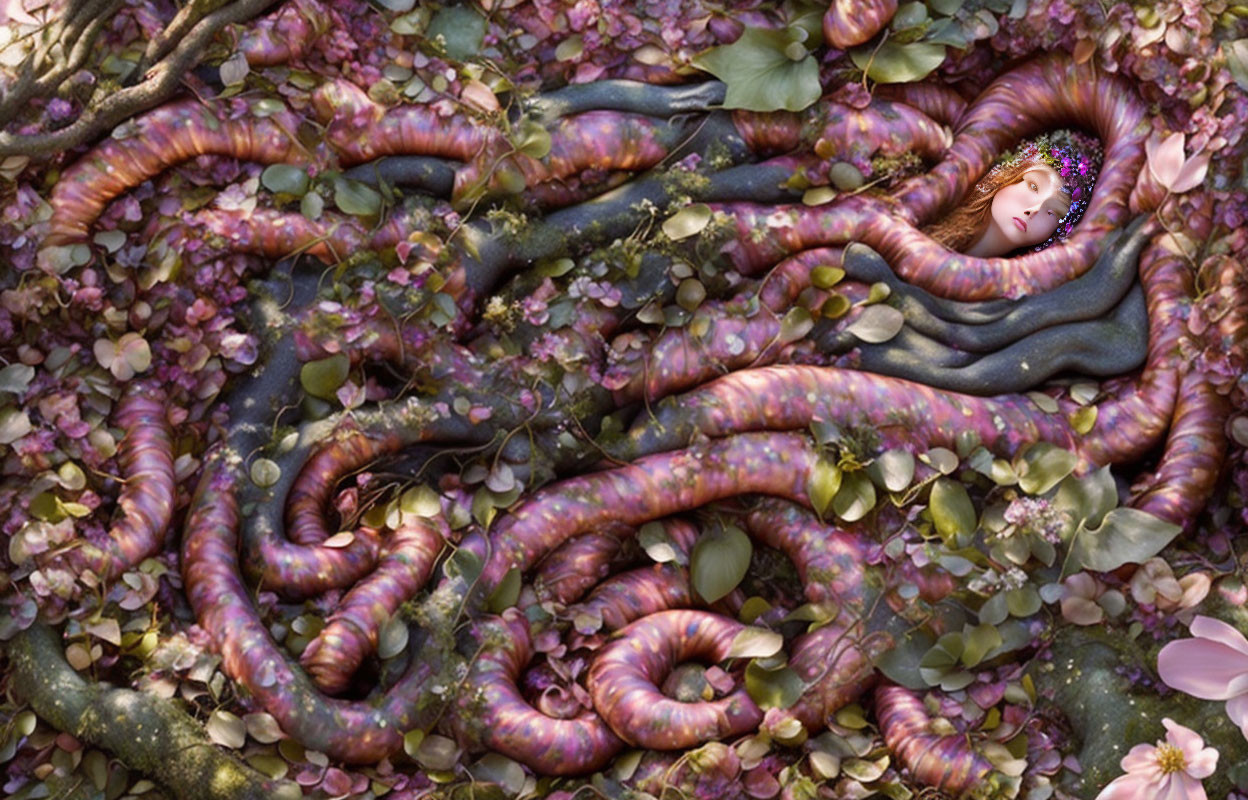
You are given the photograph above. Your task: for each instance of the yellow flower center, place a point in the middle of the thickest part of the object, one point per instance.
(1170, 759)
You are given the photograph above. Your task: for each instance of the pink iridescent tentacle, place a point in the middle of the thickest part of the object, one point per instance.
(625, 677)
(355, 732)
(299, 566)
(164, 138)
(948, 763)
(650, 488)
(352, 631)
(648, 590)
(490, 709)
(147, 500)
(577, 565)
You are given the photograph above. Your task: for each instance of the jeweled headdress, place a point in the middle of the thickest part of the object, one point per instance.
(1075, 156)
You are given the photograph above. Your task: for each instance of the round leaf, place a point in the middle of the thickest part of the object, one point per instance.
(855, 498)
(754, 642)
(265, 473)
(719, 561)
(285, 179)
(1126, 536)
(773, 688)
(421, 501)
(760, 74)
(226, 729)
(898, 63)
(877, 324)
(894, 469)
(392, 639)
(824, 483)
(322, 378)
(461, 29)
(689, 221)
(353, 197)
(951, 509)
(1043, 467)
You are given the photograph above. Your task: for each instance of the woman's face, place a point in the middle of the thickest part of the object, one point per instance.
(1027, 212)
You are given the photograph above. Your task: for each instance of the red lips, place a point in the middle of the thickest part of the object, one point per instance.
(1021, 225)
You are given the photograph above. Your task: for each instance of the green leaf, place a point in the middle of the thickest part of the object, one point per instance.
(978, 642)
(796, 324)
(689, 221)
(898, 63)
(14, 424)
(719, 560)
(754, 642)
(499, 769)
(265, 472)
(940, 666)
(658, 545)
(353, 197)
(421, 501)
(507, 593)
(909, 15)
(1126, 536)
(826, 277)
(760, 75)
(1088, 499)
(1043, 467)
(877, 324)
(995, 610)
(16, 377)
(836, 306)
(893, 469)
(322, 378)
(533, 139)
(946, 7)
(901, 664)
(570, 48)
(462, 30)
(773, 688)
(856, 497)
(1237, 61)
(285, 179)
(1023, 601)
(951, 509)
(824, 483)
(392, 638)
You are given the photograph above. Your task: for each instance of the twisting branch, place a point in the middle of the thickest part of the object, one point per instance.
(161, 82)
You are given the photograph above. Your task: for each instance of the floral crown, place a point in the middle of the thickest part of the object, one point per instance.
(1075, 156)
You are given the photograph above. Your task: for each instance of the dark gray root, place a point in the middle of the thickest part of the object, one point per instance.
(1098, 348)
(435, 176)
(989, 326)
(627, 96)
(149, 734)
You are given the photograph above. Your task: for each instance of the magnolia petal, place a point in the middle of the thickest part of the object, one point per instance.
(1182, 737)
(1237, 710)
(1201, 668)
(1203, 763)
(1128, 787)
(1192, 174)
(1166, 159)
(1179, 786)
(1141, 758)
(1219, 631)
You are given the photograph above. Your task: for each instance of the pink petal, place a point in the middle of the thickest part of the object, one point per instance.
(1237, 710)
(1178, 786)
(1203, 763)
(1217, 630)
(1128, 787)
(1192, 174)
(1165, 160)
(1184, 738)
(1141, 758)
(1203, 668)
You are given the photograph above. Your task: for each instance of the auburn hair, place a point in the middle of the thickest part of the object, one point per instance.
(964, 226)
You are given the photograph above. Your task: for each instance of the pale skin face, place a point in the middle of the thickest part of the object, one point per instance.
(1023, 214)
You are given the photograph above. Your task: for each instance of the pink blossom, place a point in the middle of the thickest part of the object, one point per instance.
(1211, 666)
(1172, 769)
